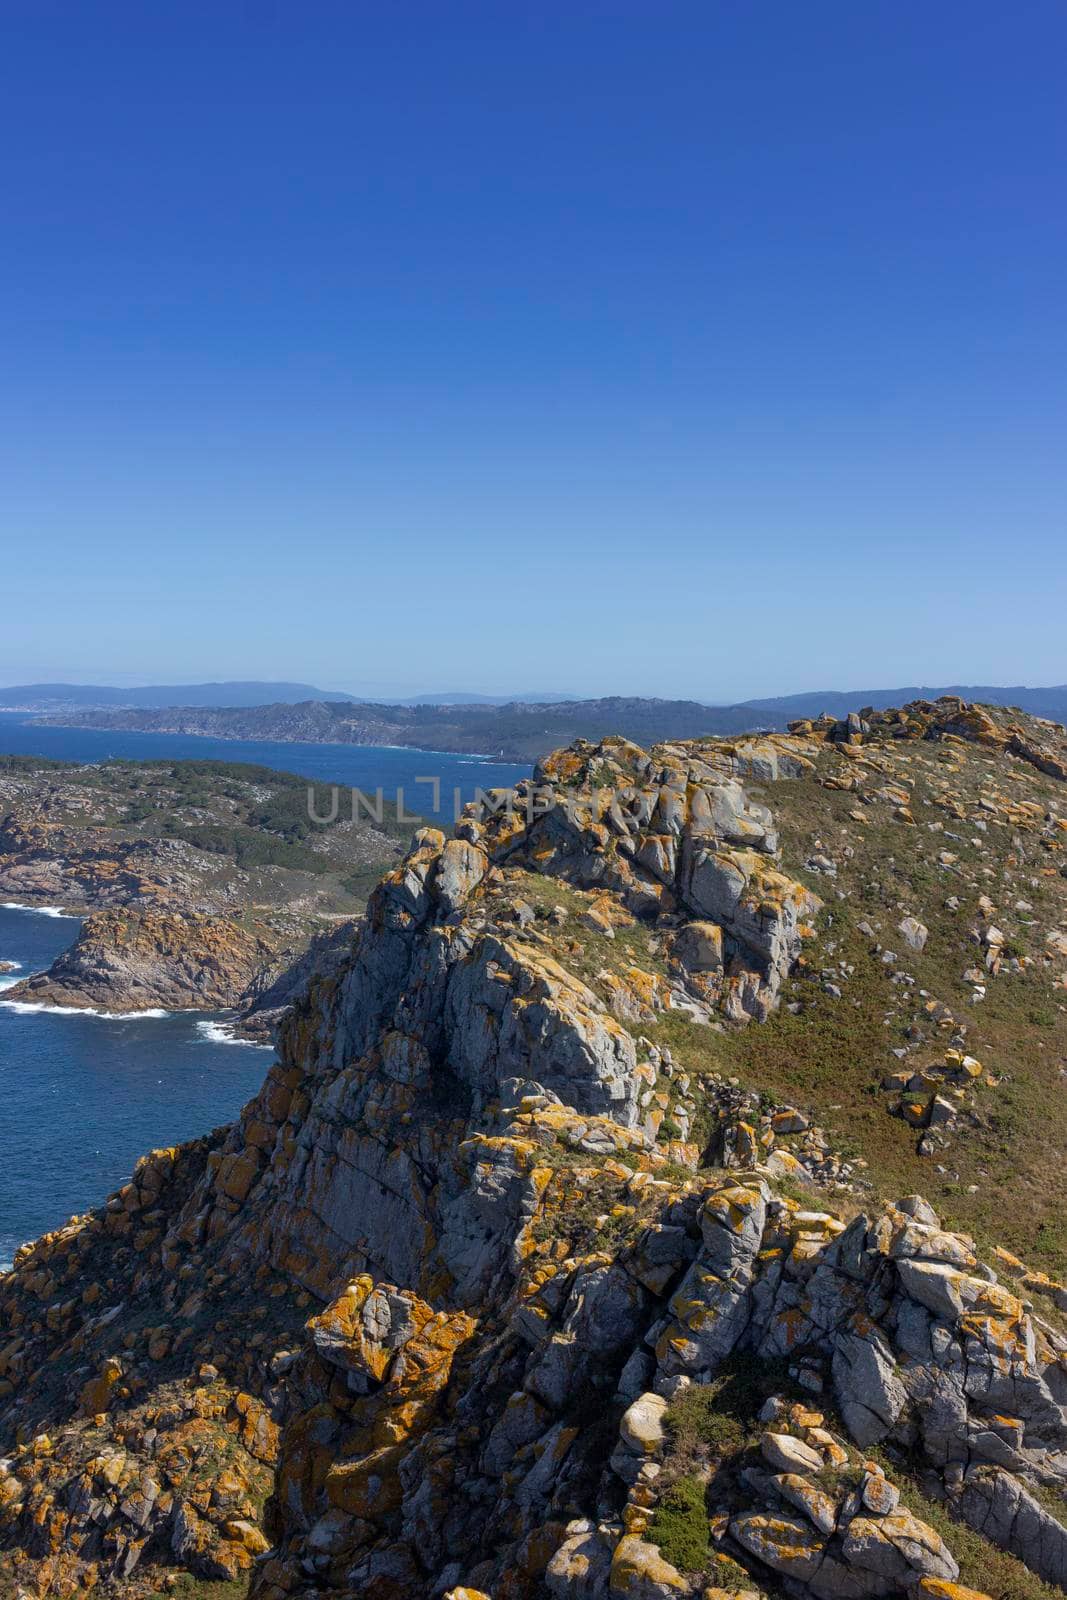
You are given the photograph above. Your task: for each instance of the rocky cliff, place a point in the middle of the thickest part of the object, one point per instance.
(510, 1283)
(137, 960)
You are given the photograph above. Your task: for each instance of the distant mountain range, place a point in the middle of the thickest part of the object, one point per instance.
(461, 698)
(88, 696)
(524, 730)
(1050, 702)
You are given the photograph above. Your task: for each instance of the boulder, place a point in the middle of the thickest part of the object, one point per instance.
(641, 1428)
(898, 1547)
(639, 1572)
(783, 1453)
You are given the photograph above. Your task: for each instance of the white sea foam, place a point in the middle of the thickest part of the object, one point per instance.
(42, 911)
(83, 1011)
(132, 1016)
(220, 1033)
(452, 755)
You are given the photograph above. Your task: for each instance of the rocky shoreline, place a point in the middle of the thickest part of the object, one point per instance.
(200, 884)
(520, 732)
(139, 960)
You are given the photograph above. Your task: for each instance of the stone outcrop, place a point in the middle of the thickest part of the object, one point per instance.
(1040, 743)
(676, 838)
(423, 1320)
(137, 960)
(42, 864)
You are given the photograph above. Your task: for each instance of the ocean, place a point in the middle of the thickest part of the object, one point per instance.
(353, 766)
(83, 1096)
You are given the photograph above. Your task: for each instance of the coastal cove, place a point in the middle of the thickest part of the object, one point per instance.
(85, 1095)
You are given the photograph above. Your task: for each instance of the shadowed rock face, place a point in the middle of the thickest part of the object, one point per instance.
(410, 1327)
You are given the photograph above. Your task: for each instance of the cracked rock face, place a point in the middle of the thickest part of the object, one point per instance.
(137, 959)
(416, 1323)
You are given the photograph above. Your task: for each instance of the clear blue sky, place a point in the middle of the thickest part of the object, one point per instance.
(714, 348)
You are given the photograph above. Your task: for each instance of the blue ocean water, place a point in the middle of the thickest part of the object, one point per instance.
(353, 766)
(81, 1097)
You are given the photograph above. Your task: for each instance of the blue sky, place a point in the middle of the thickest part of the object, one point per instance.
(710, 349)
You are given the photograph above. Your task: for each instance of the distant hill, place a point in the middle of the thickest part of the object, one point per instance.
(519, 731)
(64, 696)
(523, 730)
(89, 696)
(462, 698)
(564, 716)
(1051, 702)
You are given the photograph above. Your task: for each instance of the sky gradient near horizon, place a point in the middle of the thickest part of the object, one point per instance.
(701, 349)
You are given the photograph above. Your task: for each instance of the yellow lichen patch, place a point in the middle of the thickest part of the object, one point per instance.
(96, 1394)
(369, 1487)
(943, 1589)
(732, 1206)
(638, 1569)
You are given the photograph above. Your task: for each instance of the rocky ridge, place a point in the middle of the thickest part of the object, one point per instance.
(462, 1305)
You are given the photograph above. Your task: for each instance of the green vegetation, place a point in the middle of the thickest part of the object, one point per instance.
(239, 815)
(829, 1055)
(21, 765)
(286, 809)
(246, 847)
(708, 1421)
(712, 1428)
(680, 1525)
(257, 797)
(360, 884)
(598, 1215)
(188, 1588)
(1051, 1241)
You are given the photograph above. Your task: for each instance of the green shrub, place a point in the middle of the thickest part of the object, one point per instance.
(28, 764)
(695, 1421)
(247, 847)
(719, 1417)
(680, 1526)
(190, 1588)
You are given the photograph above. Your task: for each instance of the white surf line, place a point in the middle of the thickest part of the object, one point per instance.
(84, 1011)
(41, 911)
(218, 1034)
